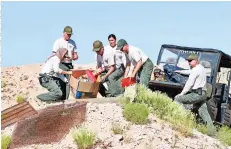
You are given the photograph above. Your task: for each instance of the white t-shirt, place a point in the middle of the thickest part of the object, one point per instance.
(51, 67)
(106, 60)
(120, 57)
(69, 45)
(136, 54)
(197, 79)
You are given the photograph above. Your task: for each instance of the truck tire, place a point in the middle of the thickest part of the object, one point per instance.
(227, 117)
(212, 108)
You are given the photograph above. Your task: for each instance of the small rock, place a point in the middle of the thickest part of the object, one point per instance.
(25, 77)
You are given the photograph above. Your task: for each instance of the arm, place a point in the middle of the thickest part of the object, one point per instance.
(127, 70)
(66, 72)
(137, 68)
(136, 56)
(128, 65)
(58, 70)
(111, 69)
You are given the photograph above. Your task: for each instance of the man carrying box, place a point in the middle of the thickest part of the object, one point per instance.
(114, 70)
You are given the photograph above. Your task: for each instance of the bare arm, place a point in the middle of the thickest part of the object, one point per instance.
(66, 72)
(111, 69)
(58, 70)
(127, 70)
(137, 68)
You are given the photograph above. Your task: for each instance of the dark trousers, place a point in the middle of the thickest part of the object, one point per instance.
(145, 72)
(199, 104)
(66, 67)
(55, 86)
(113, 83)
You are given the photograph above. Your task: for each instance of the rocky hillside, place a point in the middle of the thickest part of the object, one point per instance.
(22, 81)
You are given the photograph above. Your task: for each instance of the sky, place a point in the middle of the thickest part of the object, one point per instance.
(29, 29)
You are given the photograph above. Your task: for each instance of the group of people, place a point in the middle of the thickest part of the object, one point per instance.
(113, 62)
(116, 61)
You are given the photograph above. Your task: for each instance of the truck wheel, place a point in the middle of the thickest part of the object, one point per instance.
(212, 109)
(227, 117)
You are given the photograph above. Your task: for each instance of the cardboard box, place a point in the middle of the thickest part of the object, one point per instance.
(89, 89)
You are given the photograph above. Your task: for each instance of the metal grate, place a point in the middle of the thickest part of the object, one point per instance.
(50, 125)
(16, 113)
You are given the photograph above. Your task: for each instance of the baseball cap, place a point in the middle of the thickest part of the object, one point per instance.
(120, 44)
(97, 45)
(192, 57)
(68, 30)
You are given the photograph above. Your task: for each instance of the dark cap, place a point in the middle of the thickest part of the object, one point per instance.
(97, 45)
(192, 57)
(121, 43)
(68, 30)
(157, 70)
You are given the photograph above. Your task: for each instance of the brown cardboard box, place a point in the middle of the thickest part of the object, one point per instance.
(90, 89)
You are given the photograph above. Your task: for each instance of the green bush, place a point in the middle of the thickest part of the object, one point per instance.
(6, 140)
(224, 135)
(163, 107)
(117, 128)
(205, 129)
(136, 113)
(84, 138)
(20, 99)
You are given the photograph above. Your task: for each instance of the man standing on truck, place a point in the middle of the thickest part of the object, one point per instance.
(143, 66)
(69, 44)
(195, 91)
(114, 69)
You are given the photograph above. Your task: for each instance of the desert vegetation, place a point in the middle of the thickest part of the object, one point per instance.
(5, 142)
(83, 137)
(163, 107)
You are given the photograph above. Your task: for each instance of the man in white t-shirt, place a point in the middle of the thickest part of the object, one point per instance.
(113, 70)
(120, 57)
(143, 66)
(69, 44)
(195, 91)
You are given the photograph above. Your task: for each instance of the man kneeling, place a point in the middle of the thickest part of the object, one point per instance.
(49, 77)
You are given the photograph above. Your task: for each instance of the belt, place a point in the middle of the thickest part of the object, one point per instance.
(47, 77)
(198, 91)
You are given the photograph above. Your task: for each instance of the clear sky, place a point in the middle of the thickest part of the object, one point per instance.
(29, 29)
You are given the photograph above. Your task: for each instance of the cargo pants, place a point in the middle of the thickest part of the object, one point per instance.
(55, 86)
(145, 72)
(199, 104)
(66, 67)
(113, 83)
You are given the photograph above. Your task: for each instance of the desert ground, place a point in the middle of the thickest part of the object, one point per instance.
(157, 134)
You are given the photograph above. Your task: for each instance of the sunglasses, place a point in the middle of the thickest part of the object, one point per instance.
(189, 61)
